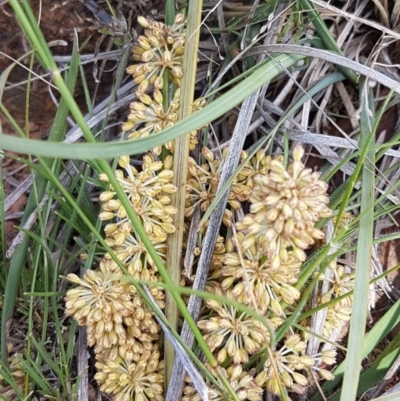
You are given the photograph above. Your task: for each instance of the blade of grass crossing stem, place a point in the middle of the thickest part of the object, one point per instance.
(90, 151)
(19, 257)
(181, 155)
(325, 35)
(164, 275)
(364, 249)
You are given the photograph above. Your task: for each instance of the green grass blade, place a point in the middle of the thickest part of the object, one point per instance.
(91, 151)
(380, 367)
(378, 370)
(325, 35)
(50, 361)
(380, 330)
(169, 12)
(40, 184)
(364, 249)
(37, 376)
(2, 226)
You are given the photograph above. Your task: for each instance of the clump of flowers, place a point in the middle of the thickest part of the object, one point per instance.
(203, 181)
(151, 115)
(242, 382)
(127, 380)
(150, 194)
(340, 311)
(285, 205)
(232, 333)
(100, 302)
(148, 116)
(160, 49)
(283, 366)
(250, 274)
(120, 325)
(261, 265)
(256, 264)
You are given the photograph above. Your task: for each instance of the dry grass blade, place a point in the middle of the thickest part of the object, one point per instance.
(182, 356)
(82, 364)
(385, 31)
(332, 58)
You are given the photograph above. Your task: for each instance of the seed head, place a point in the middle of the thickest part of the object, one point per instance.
(286, 204)
(128, 380)
(232, 332)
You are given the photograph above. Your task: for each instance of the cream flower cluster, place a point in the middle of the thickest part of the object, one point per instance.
(260, 267)
(120, 326)
(256, 263)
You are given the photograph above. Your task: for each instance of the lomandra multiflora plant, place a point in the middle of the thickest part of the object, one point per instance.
(257, 260)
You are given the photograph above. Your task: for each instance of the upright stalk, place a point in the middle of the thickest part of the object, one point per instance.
(175, 240)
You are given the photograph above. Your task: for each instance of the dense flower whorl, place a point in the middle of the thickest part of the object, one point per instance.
(149, 192)
(283, 366)
(127, 380)
(101, 303)
(147, 116)
(108, 306)
(232, 333)
(285, 205)
(160, 49)
(251, 276)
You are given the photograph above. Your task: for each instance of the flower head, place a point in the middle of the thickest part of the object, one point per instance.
(152, 115)
(147, 117)
(127, 380)
(202, 185)
(149, 192)
(231, 332)
(283, 366)
(159, 49)
(252, 276)
(285, 205)
(102, 303)
(131, 251)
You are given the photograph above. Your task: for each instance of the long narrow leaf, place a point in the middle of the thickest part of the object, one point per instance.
(364, 250)
(17, 263)
(91, 151)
